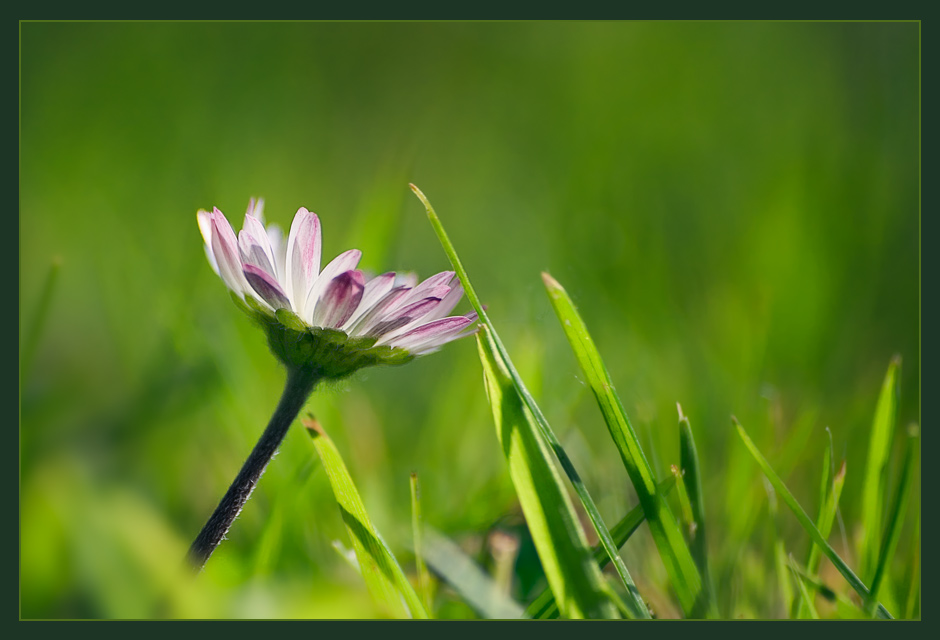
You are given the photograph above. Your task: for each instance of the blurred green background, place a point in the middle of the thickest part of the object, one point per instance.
(733, 206)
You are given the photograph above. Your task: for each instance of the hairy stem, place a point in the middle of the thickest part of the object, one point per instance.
(299, 385)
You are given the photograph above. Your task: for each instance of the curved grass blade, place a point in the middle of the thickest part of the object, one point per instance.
(667, 535)
(895, 518)
(424, 580)
(874, 489)
(379, 568)
(544, 605)
(478, 589)
(804, 520)
(549, 514)
(634, 601)
(805, 598)
(692, 480)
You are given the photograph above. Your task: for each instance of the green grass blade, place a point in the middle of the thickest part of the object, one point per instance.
(692, 480)
(549, 514)
(667, 535)
(379, 568)
(895, 518)
(478, 589)
(781, 564)
(634, 601)
(807, 524)
(874, 489)
(544, 605)
(417, 527)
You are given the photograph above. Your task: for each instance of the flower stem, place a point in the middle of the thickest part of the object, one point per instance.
(299, 385)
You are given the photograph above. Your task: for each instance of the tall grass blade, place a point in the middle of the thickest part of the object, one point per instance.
(807, 524)
(895, 517)
(692, 479)
(667, 535)
(380, 570)
(874, 489)
(634, 601)
(556, 533)
(544, 605)
(478, 589)
(417, 527)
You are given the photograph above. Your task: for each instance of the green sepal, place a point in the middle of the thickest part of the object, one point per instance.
(330, 352)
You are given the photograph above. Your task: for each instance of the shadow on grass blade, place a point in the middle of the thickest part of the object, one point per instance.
(379, 568)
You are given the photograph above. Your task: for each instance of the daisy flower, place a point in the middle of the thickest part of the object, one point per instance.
(335, 318)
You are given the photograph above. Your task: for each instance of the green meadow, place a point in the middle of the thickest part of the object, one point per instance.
(719, 215)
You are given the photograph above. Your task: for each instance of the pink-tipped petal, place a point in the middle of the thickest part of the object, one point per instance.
(432, 333)
(448, 302)
(400, 321)
(264, 284)
(251, 251)
(302, 259)
(259, 236)
(378, 313)
(340, 299)
(346, 261)
(375, 290)
(225, 250)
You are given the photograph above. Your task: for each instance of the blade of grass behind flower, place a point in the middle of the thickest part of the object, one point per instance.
(874, 489)
(895, 518)
(379, 568)
(804, 520)
(424, 580)
(544, 605)
(549, 514)
(478, 589)
(677, 558)
(634, 601)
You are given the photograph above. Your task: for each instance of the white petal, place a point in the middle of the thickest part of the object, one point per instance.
(302, 258)
(225, 250)
(343, 262)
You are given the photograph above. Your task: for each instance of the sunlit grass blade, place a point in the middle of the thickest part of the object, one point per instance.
(634, 600)
(379, 568)
(807, 524)
(692, 480)
(417, 527)
(874, 488)
(544, 605)
(477, 588)
(556, 533)
(33, 330)
(895, 517)
(667, 535)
